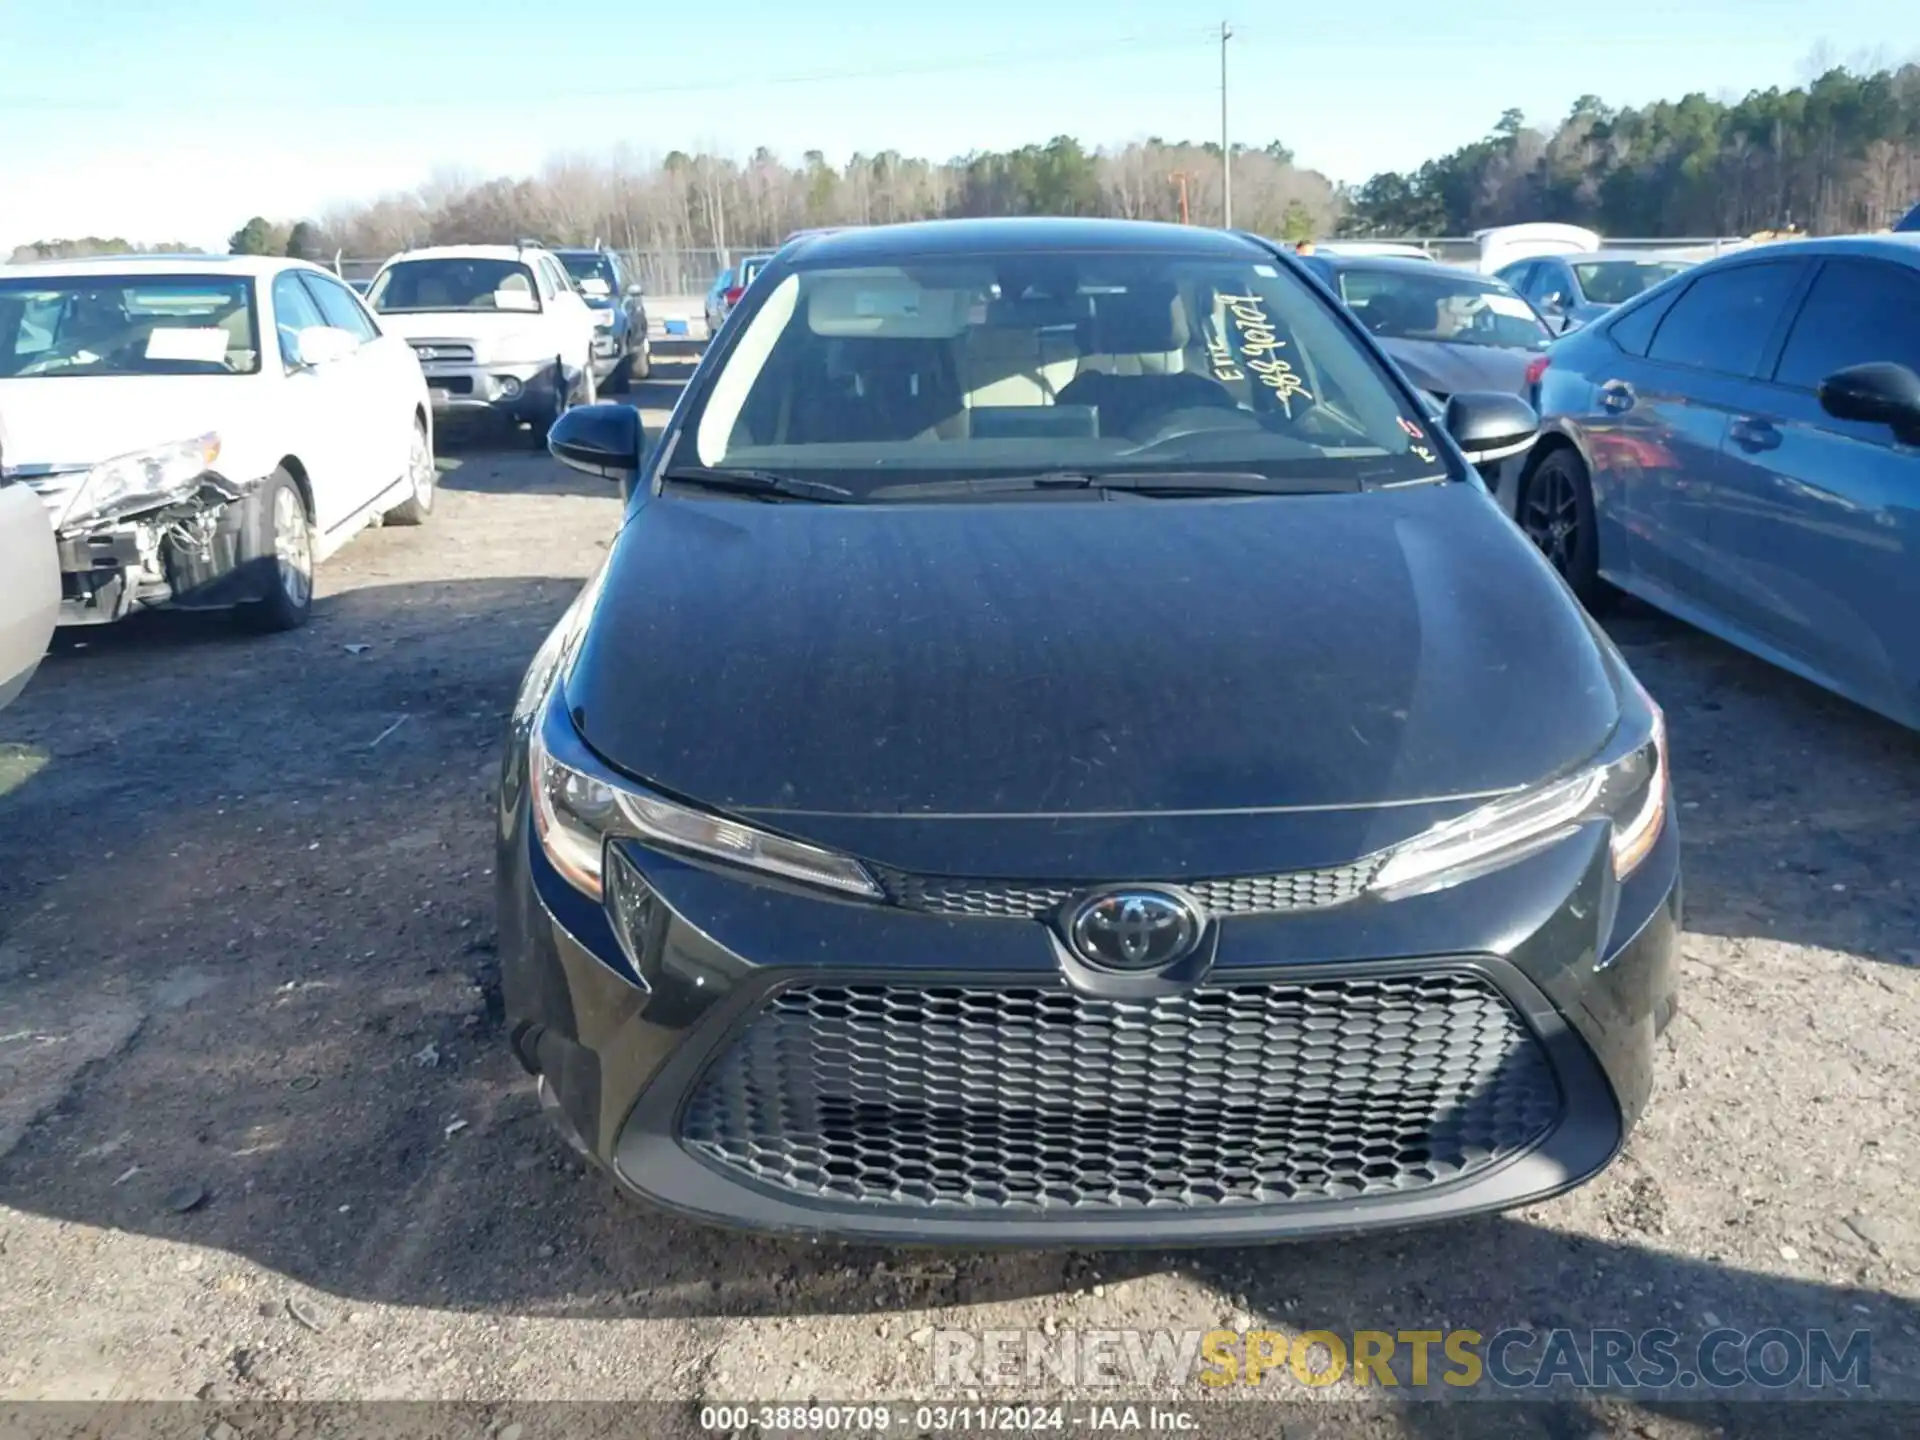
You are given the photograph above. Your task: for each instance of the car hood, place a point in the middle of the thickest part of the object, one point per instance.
(75, 421)
(1450, 369)
(827, 665)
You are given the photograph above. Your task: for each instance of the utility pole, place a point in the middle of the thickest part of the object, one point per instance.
(1226, 146)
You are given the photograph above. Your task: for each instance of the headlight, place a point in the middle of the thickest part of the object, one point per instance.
(578, 808)
(143, 479)
(603, 319)
(1630, 793)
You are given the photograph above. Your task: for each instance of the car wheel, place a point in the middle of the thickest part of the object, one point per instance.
(1556, 512)
(286, 546)
(417, 507)
(620, 378)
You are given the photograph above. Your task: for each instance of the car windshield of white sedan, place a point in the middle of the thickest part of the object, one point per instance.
(879, 379)
(1614, 282)
(100, 324)
(1447, 307)
(449, 284)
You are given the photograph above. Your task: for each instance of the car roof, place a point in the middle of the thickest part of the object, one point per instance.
(930, 238)
(1587, 257)
(1902, 248)
(580, 250)
(169, 264)
(469, 252)
(1399, 265)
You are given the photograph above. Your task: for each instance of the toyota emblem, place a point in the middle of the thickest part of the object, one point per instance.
(1135, 929)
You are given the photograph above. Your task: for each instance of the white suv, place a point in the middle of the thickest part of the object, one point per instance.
(499, 329)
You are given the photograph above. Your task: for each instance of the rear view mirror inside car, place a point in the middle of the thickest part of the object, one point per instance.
(879, 306)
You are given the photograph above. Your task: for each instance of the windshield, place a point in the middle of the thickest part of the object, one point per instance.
(1452, 308)
(463, 284)
(880, 379)
(593, 273)
(1614, 282)
(127, 325)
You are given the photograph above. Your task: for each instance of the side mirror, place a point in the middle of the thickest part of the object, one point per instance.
(1490, 426)
(1880, 393)
(604, 440)
(323, 345)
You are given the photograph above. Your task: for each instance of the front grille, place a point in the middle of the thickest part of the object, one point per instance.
(432, 350)
(1040, 1098)
(452, 384)
(1243, 895)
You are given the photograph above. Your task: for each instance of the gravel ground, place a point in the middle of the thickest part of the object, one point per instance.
(260, 1138)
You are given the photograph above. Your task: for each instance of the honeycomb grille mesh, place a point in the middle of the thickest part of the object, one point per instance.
(1244, 895)
(1044, 1099)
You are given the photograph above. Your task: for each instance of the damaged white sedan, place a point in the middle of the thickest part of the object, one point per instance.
(204, 430)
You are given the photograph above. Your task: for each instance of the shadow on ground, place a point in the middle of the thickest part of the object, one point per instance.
(1802, 820)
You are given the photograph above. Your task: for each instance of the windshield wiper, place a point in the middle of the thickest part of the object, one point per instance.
(1136, 482)
(764, 484)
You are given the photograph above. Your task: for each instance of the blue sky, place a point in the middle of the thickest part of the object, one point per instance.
(162, 120)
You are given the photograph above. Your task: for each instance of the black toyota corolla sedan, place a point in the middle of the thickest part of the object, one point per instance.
(1061, 752)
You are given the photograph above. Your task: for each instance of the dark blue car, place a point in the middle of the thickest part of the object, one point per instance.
(622, 353)
(1740, 446)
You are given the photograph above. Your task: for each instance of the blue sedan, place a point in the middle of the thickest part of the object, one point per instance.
(1740, 446)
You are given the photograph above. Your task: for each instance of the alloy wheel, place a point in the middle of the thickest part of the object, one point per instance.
(420, 468)
(292, 547)
(1551, 516)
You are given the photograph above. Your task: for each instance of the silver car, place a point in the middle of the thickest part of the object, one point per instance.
(1576, 290)
(1451, 331)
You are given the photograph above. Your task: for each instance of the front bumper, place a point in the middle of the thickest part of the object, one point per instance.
(521, 391)
(774, 1061)
(207, 552)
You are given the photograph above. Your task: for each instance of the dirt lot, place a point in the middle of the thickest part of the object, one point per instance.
(260, 1137)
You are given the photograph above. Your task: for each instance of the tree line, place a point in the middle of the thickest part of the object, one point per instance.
(1840, 154)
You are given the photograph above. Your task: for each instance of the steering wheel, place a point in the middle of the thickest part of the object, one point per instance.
(1190, 420)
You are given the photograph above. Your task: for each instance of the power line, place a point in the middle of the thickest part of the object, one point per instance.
(1226, 144)
(1145, 44)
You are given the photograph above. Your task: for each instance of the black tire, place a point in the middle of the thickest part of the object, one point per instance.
(620, 378)
(1555, 511)
(417, 508)
(282, 547)
(537, 430)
